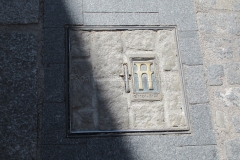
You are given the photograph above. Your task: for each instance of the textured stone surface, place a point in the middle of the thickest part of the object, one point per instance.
(120, 6)
(73, 152)
(184, 15)
(221, 119)
(233, 73)
(189, 48)
(112, 106)
(107, 51)
(81, 93)
(233, 148)
(54, 50)
(215, 73)
(173, 99)
(81, 84)
(149, 146)
(60, 13)
(236, 123)
(80, 44)
(19, 12)
(166, 17)
(195, 84)
(166, 45)
(147, 115)
(197, 153)
(140, 39)
(230, 98)
(54, 127)
(203, 129)
(218, 23)
(97, 93)
(121, 19)
(54, 83)
(18, 100)
(218, 4)
(218, 49)
(131, 147)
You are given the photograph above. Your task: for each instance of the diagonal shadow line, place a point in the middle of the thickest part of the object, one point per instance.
(96, 147)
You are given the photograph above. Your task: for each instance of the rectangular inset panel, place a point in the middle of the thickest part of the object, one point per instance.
(124, 80)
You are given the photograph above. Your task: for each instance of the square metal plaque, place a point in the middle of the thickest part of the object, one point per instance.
(124, 79)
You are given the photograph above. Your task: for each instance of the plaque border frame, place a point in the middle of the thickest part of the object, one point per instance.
(69, 133)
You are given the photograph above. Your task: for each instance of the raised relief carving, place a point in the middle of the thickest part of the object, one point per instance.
(145, 78)
(140, 72)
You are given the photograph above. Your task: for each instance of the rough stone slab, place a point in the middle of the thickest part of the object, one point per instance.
(54, 50)
(189, 48)
(120, 6)
(215, 72)
(107, 55)
(131, 147)
(147, 115)
(54, 82)
(184, 15)
(218, 23)
(54, 125)
(218, 4)
(81, 85)
(19, 11)
(166, 13)
(201, 128)
(18, 100)
(112, 106)
(121, 19)
(233, 73)
(180, 13)
(217, 49)
(221, 119)
(230, 98)
(59, 13)
(233, 148)
(74, 152)
(167, 47)
(195, 84)
(197, 153)
(80, 44)
(236, 123)
(139, 40)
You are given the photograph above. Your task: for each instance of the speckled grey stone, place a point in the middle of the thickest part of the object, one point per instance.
(230, 97)
(220, 23)
(215, 72)
(121, 19)
(195, 84)
(64, 152)
(58, 13)
(54, 47)
(120, 6)
(131, 147)
(54, 83)
(201, 128)
(184, 15)
(233, 73)
(197, 153)
(189, 48)
(54, 130)
(166, 14)
(236, 123)
(18, 100)
(19, 11)
(218, 48)
(233, 148)
(159, 146)
(180, 13)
